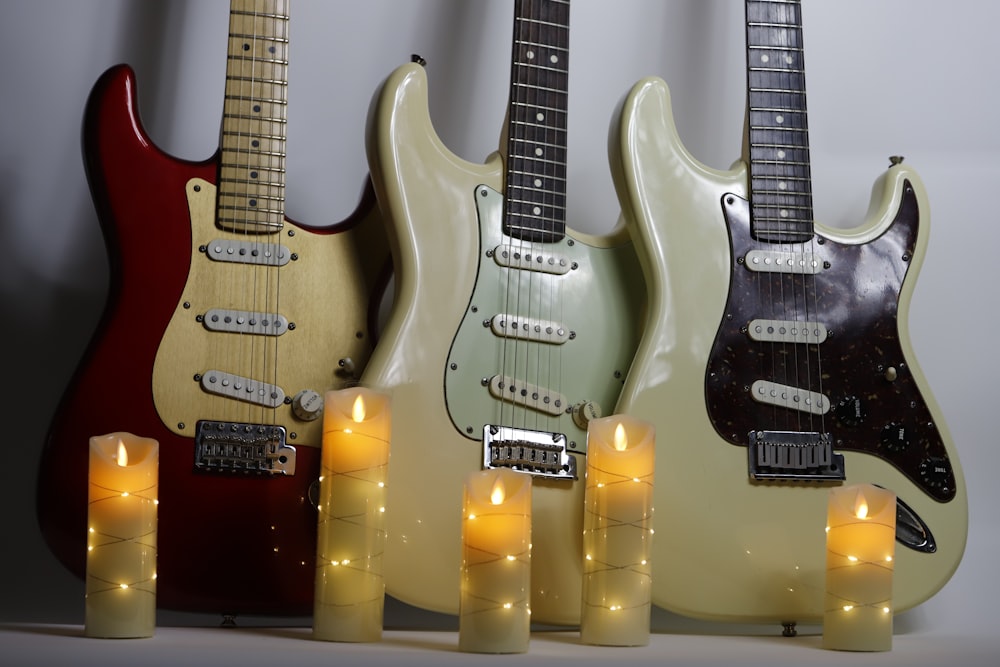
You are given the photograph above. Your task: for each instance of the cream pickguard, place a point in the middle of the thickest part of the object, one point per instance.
(729, 547)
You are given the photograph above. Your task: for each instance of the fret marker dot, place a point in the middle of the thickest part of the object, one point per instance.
(536, 211)
(789, 59)
(553, 59)
(538, 151)
(784, 213)
(255, 143)
(779, 119)
(271, 49)
(538, 182)
(253, 174)
(539, 116)
(530, 55)
(253, 202)
(782, 186)
(781, 154)
(246, 47)
(256, 108)
(764, 58)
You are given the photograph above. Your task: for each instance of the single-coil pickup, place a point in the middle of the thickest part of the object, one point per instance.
(527, 395)
(786, 331)
(242, 389)
(793, 398)
(516, 257)
(772, 261)
(248, 252)
(529, 328)
(245, 322)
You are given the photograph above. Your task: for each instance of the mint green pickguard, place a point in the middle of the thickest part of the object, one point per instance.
(601, 301)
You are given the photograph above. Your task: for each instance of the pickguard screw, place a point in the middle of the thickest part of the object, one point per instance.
(489, 253)
(187, 304)
(906, 257)
(486, 323)
(197, 188)
(181, 425)
(730, 200)
(468, 429)
(291, 326)
(199, 318)
(826, 264)
(475, 309)
(484, 381)
(295, 256)
(202, 248)
(293, 435)
(287, 400)
(197, 377)
(291, 232)
(483, 192)
(572, 335)
(454, 366)
(574, 266)
(618, 374)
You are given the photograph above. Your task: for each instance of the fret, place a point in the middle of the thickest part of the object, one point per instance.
(252, 169)
(535, 168)
(780, 180)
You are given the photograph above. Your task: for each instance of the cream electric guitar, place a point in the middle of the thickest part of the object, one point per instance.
(775, 361)
(508, 332)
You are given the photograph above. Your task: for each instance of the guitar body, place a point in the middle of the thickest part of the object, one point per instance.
(438, 350)
(228, 543)
(729, 547)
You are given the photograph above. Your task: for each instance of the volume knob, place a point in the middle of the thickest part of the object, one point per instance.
(584, 412)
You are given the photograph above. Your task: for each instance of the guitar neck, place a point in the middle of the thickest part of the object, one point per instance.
(252, 174)
(536, 138)
(780, 180)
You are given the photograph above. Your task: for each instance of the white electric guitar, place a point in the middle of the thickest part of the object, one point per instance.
(775, 361)
(508, 332)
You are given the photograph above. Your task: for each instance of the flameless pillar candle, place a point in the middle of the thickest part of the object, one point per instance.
(494, 605)
(350, 591)
(121, 536)
(618, 532)
(860, 547)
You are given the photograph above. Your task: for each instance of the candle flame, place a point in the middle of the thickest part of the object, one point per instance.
(498, 493)
(122, 458)
(358, 411)
(621, 439)
(861, 506)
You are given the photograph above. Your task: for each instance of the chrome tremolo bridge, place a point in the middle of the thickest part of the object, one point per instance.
(794, 456)
(234, 447)
(533, 452)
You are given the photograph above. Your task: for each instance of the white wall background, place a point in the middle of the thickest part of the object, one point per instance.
(911, 77)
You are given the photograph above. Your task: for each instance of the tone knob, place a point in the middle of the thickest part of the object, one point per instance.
(850, 410)
(307, 405)
(894, 437)
(936, 472)
(584, 412)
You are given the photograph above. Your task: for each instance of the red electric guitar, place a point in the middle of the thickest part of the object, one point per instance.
(224, 325)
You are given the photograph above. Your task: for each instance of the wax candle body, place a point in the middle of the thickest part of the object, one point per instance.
(860, 548)
(617, 532)
(121, 536)
(349, 589)
(494, 604)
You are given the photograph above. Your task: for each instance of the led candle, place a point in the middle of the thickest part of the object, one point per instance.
(618, 532)
(494, 603)
(860, 547)
(349, 589)
(121, 536)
